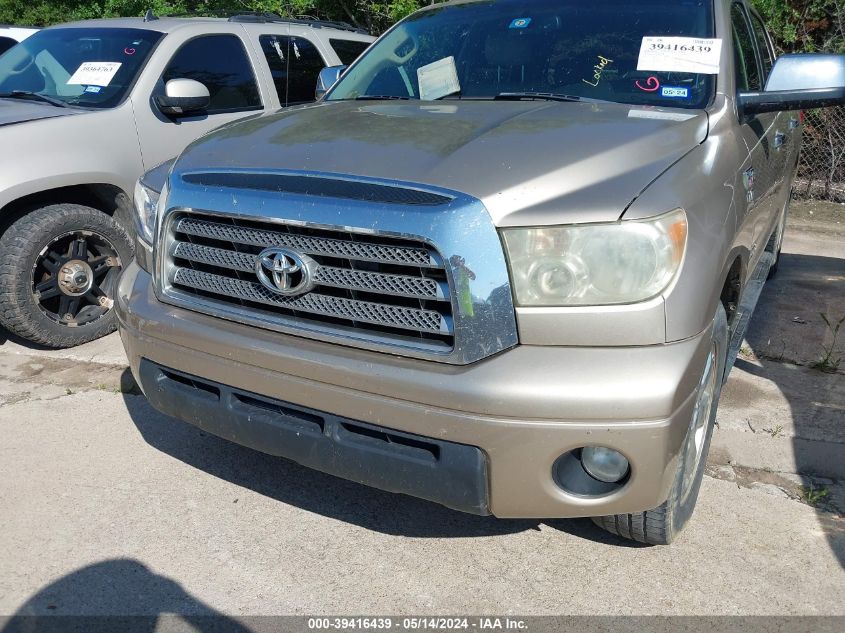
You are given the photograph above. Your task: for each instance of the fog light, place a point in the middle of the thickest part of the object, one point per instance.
(604, 464)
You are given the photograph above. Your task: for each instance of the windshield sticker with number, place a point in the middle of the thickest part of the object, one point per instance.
(680, 55)
(675, 92)
(94, 74)
(438, 79)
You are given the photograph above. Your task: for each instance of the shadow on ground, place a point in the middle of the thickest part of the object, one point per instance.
(322, 494)
(101, 591)
(787, 337)
(8, 337)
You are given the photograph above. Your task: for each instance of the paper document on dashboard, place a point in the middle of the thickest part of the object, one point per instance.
(680, 55)
(438, 79)
(94, 74)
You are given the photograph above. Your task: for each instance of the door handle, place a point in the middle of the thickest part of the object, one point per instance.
(780, 139)
(793, 123)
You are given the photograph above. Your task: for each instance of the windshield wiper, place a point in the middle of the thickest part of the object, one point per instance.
(33, 96)
(381, 98)
(548, 96)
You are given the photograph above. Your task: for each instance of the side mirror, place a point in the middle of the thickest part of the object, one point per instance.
(326, 79)
(183, 96)
(799, 82)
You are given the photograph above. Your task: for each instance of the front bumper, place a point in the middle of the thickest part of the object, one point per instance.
(522, 408)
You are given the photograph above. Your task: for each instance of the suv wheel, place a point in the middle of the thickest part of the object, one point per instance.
(661, 525)
(59, 274)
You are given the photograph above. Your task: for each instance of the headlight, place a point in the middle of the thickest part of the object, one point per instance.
(596, 264)
(146, 207)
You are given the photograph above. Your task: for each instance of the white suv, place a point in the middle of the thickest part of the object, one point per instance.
(91, 106)
(11, 35)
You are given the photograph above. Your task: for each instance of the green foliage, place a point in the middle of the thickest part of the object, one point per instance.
(375, 15)
(805, 25)
(797, 25)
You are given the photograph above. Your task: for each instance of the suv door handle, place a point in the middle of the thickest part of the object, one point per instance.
(793, 123)
(780, 138)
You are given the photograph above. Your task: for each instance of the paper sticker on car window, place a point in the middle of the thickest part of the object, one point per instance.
(94, 74)
(438, 79)
(675, 92)
(680, 55)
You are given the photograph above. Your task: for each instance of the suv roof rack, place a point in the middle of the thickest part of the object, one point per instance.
(263, 17)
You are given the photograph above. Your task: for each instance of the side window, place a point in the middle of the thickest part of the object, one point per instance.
(763, 46)
(294, 63)
(6, 43)
(348, 50)
(747, 68)
(221, 63)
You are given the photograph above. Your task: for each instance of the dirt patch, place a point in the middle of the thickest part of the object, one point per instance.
(818, 216)
(822, 494)
(73, 375)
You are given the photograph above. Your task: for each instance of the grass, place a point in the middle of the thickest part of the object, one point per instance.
(775, 431)
(813, 495)
(827, 362)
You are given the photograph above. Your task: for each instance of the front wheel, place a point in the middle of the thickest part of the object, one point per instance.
(661, 525)
(59, 272)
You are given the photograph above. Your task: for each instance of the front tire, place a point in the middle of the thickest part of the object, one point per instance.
(661, 525)
(59, 272)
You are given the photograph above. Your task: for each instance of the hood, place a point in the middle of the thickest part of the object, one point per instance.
(529, 162)
(20, 111)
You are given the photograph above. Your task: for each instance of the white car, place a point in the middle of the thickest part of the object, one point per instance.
(11, 35)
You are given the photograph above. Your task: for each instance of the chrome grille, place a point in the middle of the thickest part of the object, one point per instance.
(401, 285)
(310, 245)
(382, 286)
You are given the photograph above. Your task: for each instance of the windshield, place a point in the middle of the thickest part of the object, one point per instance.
(590, 50)
(86, 67)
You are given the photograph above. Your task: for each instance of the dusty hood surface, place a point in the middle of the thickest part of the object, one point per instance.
(20, 111)
(528, 161)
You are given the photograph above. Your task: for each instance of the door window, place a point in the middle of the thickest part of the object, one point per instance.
(221, 63)
(763, 46)
(294, 63)
(747, 68)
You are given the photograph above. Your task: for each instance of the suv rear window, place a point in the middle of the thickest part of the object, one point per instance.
(348, 50)
(569, 47)
(294, 63)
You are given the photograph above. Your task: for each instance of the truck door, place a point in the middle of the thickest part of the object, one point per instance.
(221, 62)
(758, 174)
(785, 135)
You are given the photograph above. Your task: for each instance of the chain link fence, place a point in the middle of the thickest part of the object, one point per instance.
(821, 170)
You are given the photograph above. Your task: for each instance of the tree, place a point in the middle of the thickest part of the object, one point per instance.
(374, 15)
(805, 25)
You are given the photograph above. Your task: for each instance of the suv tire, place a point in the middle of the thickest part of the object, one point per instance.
(59, 272)
(661, 525)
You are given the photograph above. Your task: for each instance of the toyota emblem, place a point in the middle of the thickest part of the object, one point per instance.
(285, 271)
